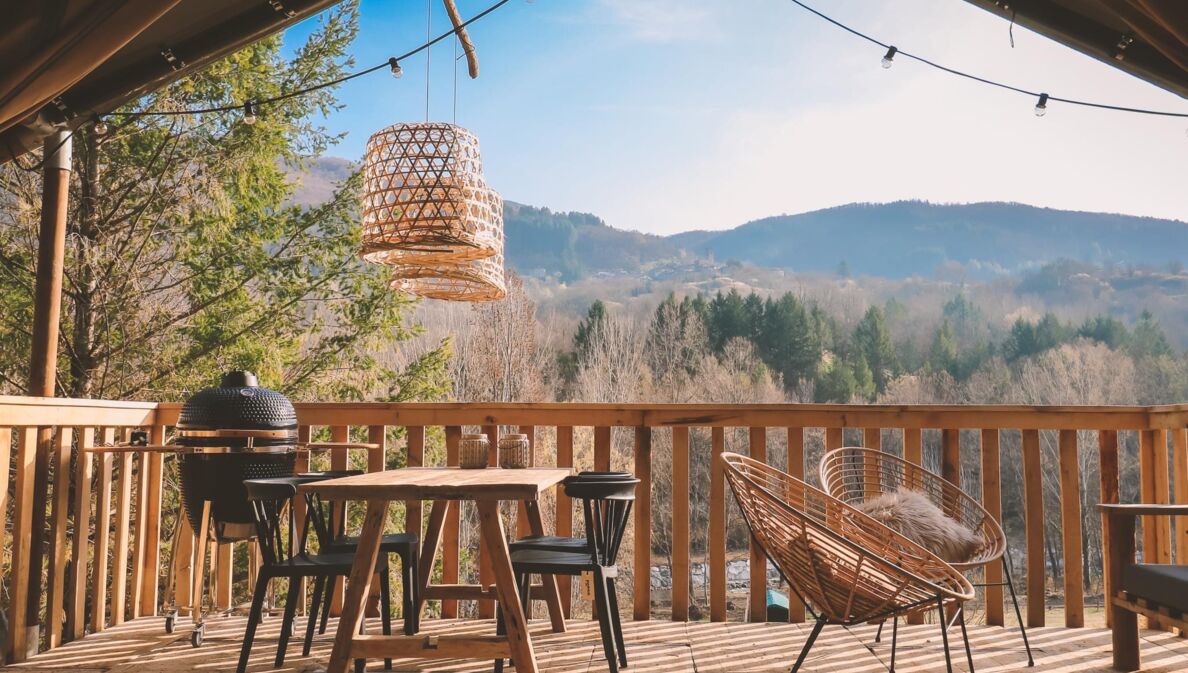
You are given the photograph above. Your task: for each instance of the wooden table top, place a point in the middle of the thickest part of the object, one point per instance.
(442, 483)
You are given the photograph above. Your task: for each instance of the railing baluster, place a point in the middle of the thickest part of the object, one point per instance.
(717, 527)
(992, 501)
(151, 520)
(340, 459)
(796, 469)
(137, 584)
(680, 524)
(22, 538)
(76, 592)
(1070, 526)
(486, 607)
(59, 521)
(102, 535)
(413, 509)
(602, 449)
(757, 449)
(643, 524)
(951, 456)
(119, 567)
(564, 514)
(225, 553)
(1162, 496)
(1180, 491)
(449, 552)
(913, 446)
(522, 526)
(1107, 452)
(1033, 500)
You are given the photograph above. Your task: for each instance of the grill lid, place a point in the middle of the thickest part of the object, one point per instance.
(238, 412)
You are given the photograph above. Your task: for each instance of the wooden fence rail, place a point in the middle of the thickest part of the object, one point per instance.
(90, 524)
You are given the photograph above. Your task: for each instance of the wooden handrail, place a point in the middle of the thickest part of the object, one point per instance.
(122, 494)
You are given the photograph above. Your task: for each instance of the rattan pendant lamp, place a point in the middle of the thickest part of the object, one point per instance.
(428, 212)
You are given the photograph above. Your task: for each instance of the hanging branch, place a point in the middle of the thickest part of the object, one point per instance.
(463, 37)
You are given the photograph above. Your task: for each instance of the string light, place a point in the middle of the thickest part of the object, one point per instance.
(892, 51)
(249, 114)
(1041, 108)
(394, 65)
(99, 126)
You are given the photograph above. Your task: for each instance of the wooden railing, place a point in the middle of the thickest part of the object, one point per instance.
(92, 525)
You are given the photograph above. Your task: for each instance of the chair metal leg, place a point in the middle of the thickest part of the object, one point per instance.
(965, 637)
(253, 621)
(604, 624)
(1006, 569)
(525, 587)
(312, 624)
(808, 645)
(408, 600)
(287, 625)
(386, 609)
(944, 627)
(327, 598)
(894, 641)
(879, 633)
(616, 620)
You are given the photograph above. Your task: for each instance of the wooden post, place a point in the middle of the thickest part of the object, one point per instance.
(1070, 525)
(449, 553)
(757, 448)
(717, 527)
(1107, 452)
(796, 469)
(564, 518)
(643, 524)
(992, 501)
(24, 576)
(1033, 503)
(680, 524)
(51, 246)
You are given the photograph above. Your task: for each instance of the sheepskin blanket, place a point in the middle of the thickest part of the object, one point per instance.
(914, 516)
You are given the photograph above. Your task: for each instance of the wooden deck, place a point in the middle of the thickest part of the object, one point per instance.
(653, 647)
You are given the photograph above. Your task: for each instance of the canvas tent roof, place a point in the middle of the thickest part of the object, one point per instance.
(63, 60)
(1147, 38)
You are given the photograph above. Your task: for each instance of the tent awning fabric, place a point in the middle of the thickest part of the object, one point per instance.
(1146, 38)
(62, 61)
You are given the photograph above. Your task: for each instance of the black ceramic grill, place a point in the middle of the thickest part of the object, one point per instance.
(237, 431)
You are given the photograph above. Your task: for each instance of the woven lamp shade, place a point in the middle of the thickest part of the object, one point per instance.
(465, 280)
(424, 197)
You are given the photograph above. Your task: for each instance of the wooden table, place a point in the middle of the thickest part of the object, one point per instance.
(445, 486)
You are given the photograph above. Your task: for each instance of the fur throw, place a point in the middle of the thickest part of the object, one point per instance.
(914, 516)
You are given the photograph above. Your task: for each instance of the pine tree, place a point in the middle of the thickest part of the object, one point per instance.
(872, 341)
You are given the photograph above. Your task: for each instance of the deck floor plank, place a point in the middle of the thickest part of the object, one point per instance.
(655, 646)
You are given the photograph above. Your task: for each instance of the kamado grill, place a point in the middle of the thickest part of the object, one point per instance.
(224, 436)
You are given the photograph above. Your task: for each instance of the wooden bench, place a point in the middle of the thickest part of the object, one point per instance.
(1129, 584)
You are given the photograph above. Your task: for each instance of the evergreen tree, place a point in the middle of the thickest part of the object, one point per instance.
(1105, 330)
(787, 342)
(1149, 339)
(872, 342)
(727, 319)
(942, 356)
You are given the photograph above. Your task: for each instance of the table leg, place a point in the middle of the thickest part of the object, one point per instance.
(552, 595)
(495, 544)
(430, 546)
(362, 571)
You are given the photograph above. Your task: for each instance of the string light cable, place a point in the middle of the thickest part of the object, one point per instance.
(1042, 98)
(252, 108)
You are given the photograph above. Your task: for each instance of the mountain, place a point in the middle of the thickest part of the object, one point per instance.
(892, 240)
(914, 237)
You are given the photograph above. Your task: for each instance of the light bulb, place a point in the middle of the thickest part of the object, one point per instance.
(1041, 108)
(397, 71)
(99, 127)
(249, 114)
(888, 60)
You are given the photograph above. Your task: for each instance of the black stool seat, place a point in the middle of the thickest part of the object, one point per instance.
(392, 543)
(302, 564)
(549, 543)
(543, 561)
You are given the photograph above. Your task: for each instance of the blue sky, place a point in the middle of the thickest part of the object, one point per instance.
(669, 115)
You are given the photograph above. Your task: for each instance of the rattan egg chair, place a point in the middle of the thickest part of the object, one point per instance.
(846, 567)
(856, 474)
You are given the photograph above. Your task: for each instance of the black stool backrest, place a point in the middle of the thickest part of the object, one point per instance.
(606, 504)
(320, 513)
(270, 499)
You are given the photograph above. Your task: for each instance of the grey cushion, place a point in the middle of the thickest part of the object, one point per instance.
(1165, 585)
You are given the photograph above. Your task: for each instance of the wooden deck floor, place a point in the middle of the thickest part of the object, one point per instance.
(653, 647)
